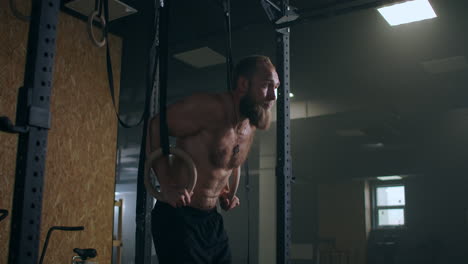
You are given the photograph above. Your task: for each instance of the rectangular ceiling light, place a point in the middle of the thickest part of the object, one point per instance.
(389, 178)
(200, 58)
(407, 12)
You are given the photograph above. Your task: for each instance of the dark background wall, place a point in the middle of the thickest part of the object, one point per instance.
(436, 203)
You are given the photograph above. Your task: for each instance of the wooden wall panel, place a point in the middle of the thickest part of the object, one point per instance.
(12, 60)
(80, 166)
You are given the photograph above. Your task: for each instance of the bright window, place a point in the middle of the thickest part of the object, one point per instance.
(388, 205)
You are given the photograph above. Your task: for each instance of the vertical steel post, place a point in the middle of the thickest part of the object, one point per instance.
(283, 161)
(33, 110)
(144, 201)
(144, 204)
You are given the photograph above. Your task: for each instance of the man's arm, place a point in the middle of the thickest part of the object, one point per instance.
(184, 118)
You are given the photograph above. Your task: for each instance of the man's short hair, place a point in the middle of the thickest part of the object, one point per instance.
(247, 67)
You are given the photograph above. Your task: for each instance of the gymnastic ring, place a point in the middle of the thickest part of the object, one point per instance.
(153, 156)
(91, 17)
(235, 185)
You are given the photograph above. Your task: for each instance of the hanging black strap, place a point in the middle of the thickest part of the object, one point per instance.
(229, 66)
(227, 23)
(163, 74)
(98, 7)
(3, 214)
(110, 74)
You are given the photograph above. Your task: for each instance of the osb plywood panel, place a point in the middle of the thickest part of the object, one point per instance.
(13, 35)
(80, 166)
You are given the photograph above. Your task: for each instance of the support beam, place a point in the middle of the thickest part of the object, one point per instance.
(144, 201)
(283, 161)
(144, 204)
(33, 111)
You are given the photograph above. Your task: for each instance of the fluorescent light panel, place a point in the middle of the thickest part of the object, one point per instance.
(200, 58)
(389, 178)
(407, 12)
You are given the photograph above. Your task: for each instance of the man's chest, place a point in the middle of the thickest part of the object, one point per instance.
(231, 147)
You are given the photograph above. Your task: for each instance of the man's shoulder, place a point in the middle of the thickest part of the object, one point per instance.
(212, 101)
(212, 104)
(212, 98)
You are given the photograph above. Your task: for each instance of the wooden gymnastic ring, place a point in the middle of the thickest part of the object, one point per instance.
(91, 17)
(157, 154)
(235, 186)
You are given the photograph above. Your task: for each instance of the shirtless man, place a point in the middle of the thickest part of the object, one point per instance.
(216, 130)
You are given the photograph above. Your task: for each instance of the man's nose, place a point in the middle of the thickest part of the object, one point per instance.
(271, 95)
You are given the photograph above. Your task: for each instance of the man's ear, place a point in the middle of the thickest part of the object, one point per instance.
(242, 85)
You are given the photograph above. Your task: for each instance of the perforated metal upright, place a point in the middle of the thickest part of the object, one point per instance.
(33, 111)
(283, 155)
(144, 201)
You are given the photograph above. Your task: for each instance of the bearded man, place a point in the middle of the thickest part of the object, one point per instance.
(216, 130)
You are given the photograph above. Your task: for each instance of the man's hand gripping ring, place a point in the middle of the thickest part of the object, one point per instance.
(157, 154)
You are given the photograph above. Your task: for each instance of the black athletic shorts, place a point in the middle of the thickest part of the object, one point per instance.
(188, 235)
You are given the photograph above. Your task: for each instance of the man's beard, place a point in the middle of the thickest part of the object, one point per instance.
(255, 112)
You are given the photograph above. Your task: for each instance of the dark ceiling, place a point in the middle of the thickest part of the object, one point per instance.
(345, 56)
